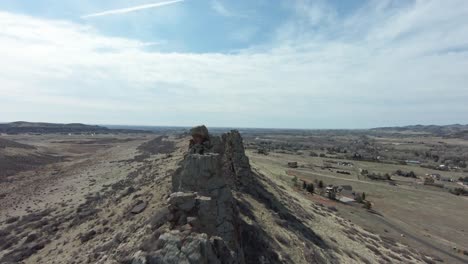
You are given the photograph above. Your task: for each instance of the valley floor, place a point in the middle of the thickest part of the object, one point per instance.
(426, 218)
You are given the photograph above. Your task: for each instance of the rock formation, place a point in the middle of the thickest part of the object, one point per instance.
(205, 227)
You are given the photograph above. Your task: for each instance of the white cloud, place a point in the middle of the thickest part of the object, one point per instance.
(131, 9)
(221, 9)
(376, 67)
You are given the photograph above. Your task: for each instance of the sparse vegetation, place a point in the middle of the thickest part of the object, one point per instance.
(320, 184)
(367, 205)
(459, 191)
(295, 181)
(410, 174)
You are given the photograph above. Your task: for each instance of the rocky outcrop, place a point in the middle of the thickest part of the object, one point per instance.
(203, 215)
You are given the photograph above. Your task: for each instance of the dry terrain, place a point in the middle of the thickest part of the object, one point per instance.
(107, 198)
(427, 217)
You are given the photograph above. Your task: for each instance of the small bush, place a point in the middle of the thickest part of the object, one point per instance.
(459, 191)
(320, 184)
(358, 199)
(294, 180)
(367, 205)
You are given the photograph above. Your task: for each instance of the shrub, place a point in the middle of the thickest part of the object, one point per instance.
(320, 184)
(358, 198)
(410, 174)
(313, 154)
(367, 205)
(459, 191)
(310, 187)
(294, 180)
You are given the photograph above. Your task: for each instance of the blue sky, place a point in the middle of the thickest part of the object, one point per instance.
(290, 63)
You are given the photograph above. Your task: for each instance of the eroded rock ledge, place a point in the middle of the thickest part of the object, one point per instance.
(204, 223)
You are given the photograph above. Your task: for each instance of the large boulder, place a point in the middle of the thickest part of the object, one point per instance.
(200, 132)
(200, 141)
(182, 201)
(176, 248)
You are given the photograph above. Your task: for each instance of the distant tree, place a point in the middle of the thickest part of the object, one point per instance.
(304, 185)
(310, 187)
(322, 155)
(461, 179)
(320, 184)
(363, 196)
(387, 176)
(462, 164)
(411, 174)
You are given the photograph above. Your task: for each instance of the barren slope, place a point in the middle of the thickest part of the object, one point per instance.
(133, 221)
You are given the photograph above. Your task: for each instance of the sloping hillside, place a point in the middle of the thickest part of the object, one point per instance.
(445, 130)
(204, 205)
(16, 157)
(48, 128)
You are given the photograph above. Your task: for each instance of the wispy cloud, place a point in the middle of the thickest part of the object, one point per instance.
(131, 9)
(219, 8)
(377, 66)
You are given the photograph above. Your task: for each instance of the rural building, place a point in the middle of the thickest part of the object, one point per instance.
(345, 187)
(330, 191)
(446, 179)
(346, 191)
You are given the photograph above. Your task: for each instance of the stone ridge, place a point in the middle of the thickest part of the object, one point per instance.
(204, 219)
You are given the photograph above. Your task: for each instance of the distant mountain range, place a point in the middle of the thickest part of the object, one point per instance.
(48, 128)
(455, 130)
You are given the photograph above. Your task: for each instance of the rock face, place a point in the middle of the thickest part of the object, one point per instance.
(204, 219)
(179, 248)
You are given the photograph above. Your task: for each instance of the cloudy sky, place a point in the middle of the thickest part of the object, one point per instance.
(264, 63)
